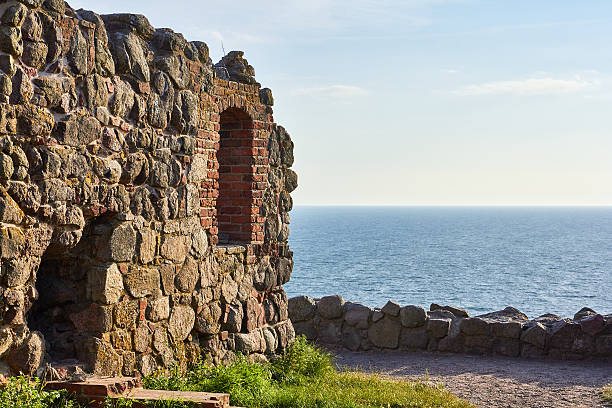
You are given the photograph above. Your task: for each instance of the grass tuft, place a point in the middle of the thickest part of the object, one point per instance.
(26, 392)
(300, 363)
(247, 383)
(606, 395)
(303, 377)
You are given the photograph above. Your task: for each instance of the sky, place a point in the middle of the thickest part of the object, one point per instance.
(424, 102)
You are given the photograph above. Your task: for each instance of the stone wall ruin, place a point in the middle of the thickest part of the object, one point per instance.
(144, 196)
(331, 321)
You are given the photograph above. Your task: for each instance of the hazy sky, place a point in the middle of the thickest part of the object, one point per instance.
(417, 102)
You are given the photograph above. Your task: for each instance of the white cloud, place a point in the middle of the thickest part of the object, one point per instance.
(449, 71)
(531, 86)
(216, 35)
(273, 20)
(332, 91)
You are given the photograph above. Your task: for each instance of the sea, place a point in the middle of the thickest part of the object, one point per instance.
(536, 259)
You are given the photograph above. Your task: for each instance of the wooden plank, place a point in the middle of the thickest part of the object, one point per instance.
(98, 388)
(199, 399)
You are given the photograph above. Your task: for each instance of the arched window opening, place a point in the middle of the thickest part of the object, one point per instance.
(235, 200)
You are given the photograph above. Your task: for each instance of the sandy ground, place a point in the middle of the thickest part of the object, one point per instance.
(494, 381)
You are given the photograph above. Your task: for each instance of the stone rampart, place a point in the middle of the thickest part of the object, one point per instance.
(144, 196)
(333, 322)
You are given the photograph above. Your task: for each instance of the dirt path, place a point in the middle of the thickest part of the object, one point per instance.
(494, 381)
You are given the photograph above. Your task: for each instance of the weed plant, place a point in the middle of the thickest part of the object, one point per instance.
(25, 392)
(303, 377)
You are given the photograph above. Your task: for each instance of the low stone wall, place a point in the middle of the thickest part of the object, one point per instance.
(332, 321)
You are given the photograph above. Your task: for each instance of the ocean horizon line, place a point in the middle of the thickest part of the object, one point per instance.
(460, 205)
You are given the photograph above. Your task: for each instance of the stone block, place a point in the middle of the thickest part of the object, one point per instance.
(330, 307)
(107, 361)
(146, 364)
(208, 319)
(122, 243)
(563, 334)
(78, 130)
(252, 342)
(161, 344)
(175, 248)
(229, 289)
(475, 326)
(413, 316)
(182, 320)
(104, 284)
(508, 329)
(584, 312)
(269, 336)
(199, 243)
(142, 282)
(188, 276)
(306, 328)
(285, 333)
(265, 96)
(95, 319)
(391, 308)
(167, 274)
(270, 312)
(413, 338)
(330, 331)
(385, 333)
(129, 362)
(198, 170)
(143, 338)
(17, 271)
(351, 338)
(6, 339)
(535, 335)
(301, 308)
(147, 247)
(438, 328)
(280, 302)
(457, 311)
(234, 316)
(121, 339)
(452, 343)
(508, 314)
(11, 243)
(10, 213)
(158, 309)
(592, 324)
(126, 313)
(357, 315)
(27, 356)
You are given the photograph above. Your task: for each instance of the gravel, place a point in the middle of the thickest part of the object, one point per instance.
(493, 381)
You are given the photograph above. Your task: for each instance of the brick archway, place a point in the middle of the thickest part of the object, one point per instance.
(236, 212)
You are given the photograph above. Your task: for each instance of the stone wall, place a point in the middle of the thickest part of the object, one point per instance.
(126, 157)
(332, 321)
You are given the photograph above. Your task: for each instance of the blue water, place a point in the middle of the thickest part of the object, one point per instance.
(539, 260)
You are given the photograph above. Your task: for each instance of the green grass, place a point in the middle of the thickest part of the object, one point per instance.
(25, 392)
(304, 377)
(606, 395)
(359, 390)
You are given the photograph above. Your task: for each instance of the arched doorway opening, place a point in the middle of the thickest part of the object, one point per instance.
(236, 163)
